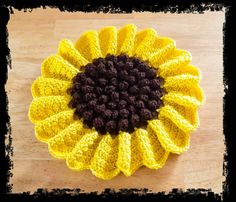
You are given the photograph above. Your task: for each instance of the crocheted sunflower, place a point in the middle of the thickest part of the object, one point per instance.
(116, 100)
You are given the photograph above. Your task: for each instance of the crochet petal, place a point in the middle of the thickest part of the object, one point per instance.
(171, 137)
(56, 67)
(188, 113)
(129, 158)
(177, 60)
(167, 71)
(88, 45)
(63, 143)
(182, 99)
(44, 107)
(161, 51)
(51, 126)
(81, 155)
(186, 84)
(154, 155)
(126, 37)
(187, 123)
(49, 86)
(67, 50)
(103, 164)
(181, 81)
(197, 92)
(143, 43)
(108, 40)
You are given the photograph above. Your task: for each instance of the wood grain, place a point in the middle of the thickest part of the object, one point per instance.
(34, 36)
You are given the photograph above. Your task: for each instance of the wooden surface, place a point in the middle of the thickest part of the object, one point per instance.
(34, 36)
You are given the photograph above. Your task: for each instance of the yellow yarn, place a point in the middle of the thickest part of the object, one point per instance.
(104, 155)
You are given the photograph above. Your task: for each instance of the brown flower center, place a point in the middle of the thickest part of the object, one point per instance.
(116, 93)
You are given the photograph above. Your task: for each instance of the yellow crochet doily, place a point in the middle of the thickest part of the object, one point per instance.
(84, 148)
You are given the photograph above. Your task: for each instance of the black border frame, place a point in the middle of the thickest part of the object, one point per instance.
(179, 6)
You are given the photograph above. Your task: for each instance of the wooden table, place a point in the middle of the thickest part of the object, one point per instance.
(34, 36)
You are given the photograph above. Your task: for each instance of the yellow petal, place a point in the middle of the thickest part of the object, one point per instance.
(63, 143)
(193, 91)
(103, 164)
(67, 50)
(44, 107)
(177, 60)
(51, 126)
(181, 99)
(162, 43)
(81, 155)
(171, 137)
(161, 51)
(167, 71)
(180, 82)
(178, 119)
(188, 113)
(58, 68)
(88, 45)
(108, 40)
(143, 43)
(129, 158)
(126, 38)
(154, 155)
(49, 86)
(186, 84)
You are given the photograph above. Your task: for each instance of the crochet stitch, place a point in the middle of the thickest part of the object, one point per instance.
(112, 85)
(106, 155)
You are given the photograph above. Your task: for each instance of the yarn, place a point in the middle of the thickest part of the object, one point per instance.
(107, 155)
